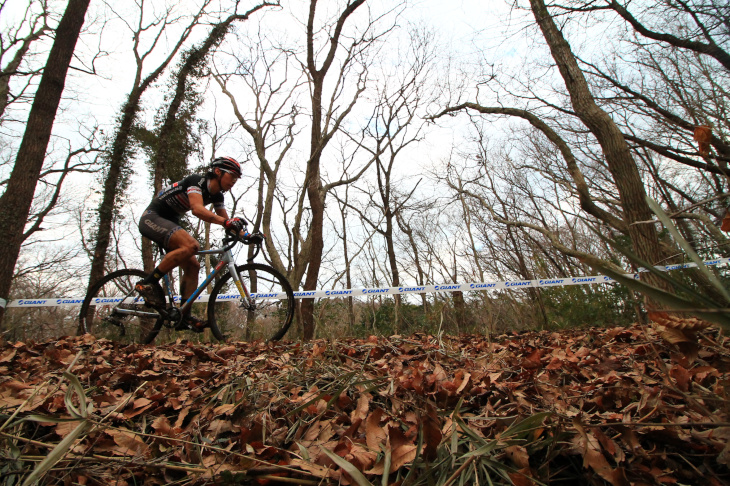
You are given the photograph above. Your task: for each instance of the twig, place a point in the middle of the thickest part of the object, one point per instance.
(280, 479)
(458, 472)
(661, 424)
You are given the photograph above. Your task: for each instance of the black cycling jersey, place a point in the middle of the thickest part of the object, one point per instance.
(173, 201)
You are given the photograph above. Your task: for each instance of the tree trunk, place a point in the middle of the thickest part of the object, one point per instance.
(535, 295)
(408, 231)
(459, 311)
(348, 274)
(15, 203)
(316, 229)
(618, 156)
(193, 61)
(117, 160)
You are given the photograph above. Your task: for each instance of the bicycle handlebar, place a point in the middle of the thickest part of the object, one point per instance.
(229, 241)
(256, 238)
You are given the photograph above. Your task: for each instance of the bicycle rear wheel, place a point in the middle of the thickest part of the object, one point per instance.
(100, 312)
(267, 318)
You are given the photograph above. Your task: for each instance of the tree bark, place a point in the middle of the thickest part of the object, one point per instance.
(117, 163)
(15, 203)
(193, 64)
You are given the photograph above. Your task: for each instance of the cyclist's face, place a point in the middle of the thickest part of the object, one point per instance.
(228, 180)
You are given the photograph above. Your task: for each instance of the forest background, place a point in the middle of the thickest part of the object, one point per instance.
(387, 144)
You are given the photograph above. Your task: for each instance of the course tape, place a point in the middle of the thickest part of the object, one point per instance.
(360, 292)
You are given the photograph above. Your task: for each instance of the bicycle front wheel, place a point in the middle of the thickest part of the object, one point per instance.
(113, 309)
(264, 317)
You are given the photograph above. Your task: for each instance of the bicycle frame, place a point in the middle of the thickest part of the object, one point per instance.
(226, 260)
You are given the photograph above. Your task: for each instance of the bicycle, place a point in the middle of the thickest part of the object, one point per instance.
(264, 304)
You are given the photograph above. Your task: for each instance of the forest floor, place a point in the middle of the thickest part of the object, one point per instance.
(613, 406)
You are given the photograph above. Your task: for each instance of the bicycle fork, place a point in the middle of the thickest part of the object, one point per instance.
(246, 300)
(227, 259)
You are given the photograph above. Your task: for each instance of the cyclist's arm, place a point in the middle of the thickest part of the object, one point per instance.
(221, 212)
(199, 210)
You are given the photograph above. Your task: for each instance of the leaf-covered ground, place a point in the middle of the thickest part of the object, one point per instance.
(598, 406)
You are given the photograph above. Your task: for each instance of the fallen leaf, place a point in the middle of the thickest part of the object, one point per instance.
(130, 444)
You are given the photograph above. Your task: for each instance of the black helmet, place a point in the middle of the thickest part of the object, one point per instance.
(227, 164)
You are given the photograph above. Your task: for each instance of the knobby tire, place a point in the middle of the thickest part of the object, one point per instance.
(272, 318)
(118, 284)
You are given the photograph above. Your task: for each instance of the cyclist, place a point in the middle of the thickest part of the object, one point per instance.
(161, 223)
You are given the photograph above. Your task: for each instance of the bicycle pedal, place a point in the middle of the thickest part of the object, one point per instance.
(192, 323)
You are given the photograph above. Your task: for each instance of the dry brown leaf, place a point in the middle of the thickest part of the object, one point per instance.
(226, 409)
(315, 469)
(8, 355)
(130, 444)
(522, 477)
(15, 385)
(726, 222)
(375, 434)
(162, 425)
(65, 428)
(703, 135)
(688, 324)
(518, 455)
(403, 451)
(363, 407)
(431, 434)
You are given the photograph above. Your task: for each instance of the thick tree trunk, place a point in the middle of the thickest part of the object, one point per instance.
(194, 61)
(621, 164)
(15, 203)
(459, 311)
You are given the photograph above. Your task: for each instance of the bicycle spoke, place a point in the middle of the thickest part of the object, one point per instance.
(112, 309)
(261, 318)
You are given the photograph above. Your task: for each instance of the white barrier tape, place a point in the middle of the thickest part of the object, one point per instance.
(3, 303)
(77, 301)
(361, 292)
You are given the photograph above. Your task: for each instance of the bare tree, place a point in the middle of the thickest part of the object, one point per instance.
(395, 126)
(614, 149)
(171, 142)
(15, 203)
(706, 23)
(272, 127)
(644, 238)
(327, 119)
(15, 48)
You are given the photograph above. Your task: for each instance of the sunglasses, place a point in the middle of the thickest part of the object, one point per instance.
(235, 176)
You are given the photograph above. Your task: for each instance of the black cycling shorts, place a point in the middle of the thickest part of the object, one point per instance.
(157, 228)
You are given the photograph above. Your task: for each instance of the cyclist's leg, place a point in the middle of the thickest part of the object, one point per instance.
(160, 230)
(182, 251)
